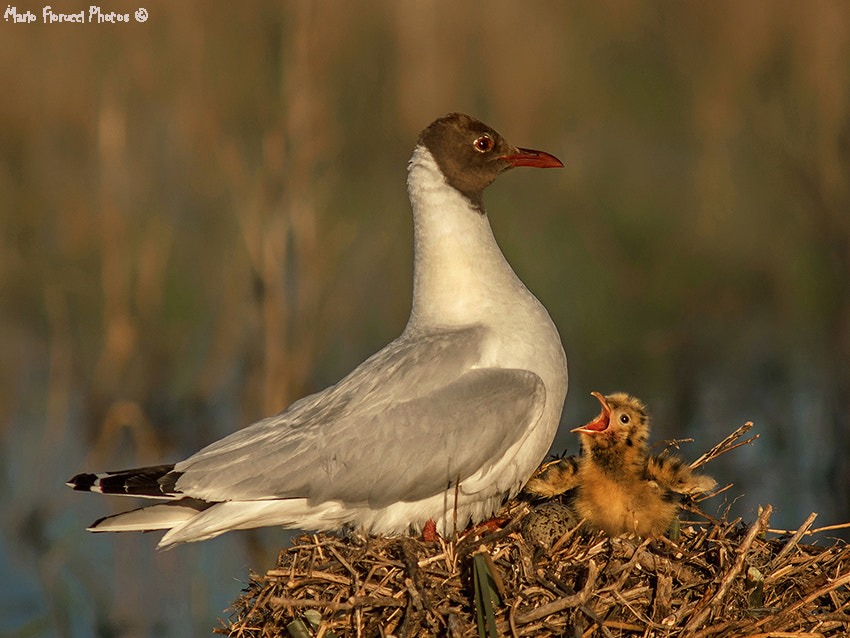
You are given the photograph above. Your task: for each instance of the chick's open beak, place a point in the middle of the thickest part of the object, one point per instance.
(600, 423)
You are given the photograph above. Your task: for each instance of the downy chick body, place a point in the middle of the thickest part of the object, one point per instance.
(614, 485)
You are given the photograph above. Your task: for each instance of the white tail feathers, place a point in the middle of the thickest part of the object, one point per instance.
(152, 517)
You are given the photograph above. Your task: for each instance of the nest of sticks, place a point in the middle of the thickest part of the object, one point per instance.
(714, 577)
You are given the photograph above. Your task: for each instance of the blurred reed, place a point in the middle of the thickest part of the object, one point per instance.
(203, 218)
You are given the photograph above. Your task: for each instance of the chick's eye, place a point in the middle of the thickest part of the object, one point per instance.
(483, 144)
(624, 419)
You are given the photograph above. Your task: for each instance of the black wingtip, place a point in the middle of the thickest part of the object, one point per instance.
(156, 481)
(82, 482)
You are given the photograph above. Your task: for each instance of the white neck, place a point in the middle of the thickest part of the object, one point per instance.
(459, 274)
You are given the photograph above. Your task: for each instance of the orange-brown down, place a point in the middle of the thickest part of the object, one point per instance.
(616, 486)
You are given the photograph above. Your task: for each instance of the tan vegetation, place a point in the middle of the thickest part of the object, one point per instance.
(203, 217)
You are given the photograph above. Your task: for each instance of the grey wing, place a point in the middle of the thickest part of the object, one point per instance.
(401, 451)
(267, 458)
(419, 448)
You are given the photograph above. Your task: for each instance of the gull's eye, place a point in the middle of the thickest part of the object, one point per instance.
(624, 419)
(483, 143)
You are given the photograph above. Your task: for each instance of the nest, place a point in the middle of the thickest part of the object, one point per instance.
(714, 577)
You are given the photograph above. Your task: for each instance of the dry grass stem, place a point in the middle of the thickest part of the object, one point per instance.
(726, 445)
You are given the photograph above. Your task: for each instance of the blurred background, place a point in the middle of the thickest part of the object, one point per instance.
(203, 217)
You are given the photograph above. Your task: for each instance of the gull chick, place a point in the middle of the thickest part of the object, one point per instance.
(615, 486)
(440, 425)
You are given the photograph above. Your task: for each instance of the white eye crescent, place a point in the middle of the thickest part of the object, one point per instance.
(483, 143)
